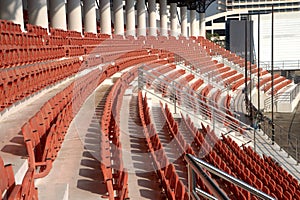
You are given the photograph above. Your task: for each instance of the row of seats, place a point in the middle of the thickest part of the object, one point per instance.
(173, 187)
(19, 48)
(115, 175)
(204, 147)
(183, 84)
(18, 83)
(10, 190)
(45, 131)
(214, 49)
(265, 177)
(208, 144)
(9, 26)
(173, 75)
(16, 56)
(164, 68)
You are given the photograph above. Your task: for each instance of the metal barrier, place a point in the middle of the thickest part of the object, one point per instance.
(195, 166)
(289, 143)
(282, 65)
(190, 101)
(288, 97)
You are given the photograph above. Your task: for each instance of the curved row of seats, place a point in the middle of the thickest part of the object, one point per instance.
(114, 173)
(208, 95)
(203, 146)
(36, 45)
(10, 190)
(44, 132)
(18, 83)
(172, 186)
(215, 49)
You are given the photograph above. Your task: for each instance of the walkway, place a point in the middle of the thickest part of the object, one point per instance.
(76, 171)
(142, 179)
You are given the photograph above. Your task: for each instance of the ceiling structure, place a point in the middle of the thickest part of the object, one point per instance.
(199, 5)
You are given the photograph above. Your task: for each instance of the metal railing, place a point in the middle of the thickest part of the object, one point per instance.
(209, 77)
(190, 102)
(283, 138)
(195, 166)
(281, 65)
(287, 97)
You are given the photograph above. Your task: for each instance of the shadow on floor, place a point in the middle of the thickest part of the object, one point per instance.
(16, 146)
(90, 171)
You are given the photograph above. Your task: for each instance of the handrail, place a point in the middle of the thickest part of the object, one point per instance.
(208, 79)
(282, 65)
(197, 164)
(193, 167)
(190, 99)
(288, 96)
(205, 194)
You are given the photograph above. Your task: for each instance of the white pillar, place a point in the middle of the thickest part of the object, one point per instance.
(37, 13)
(174, 19)
(105, 17)
(183, 14)
(130, 17)
(58, 14)
(119, 17)
(152, 17)
(163, 17)
(12, 10)
(202, 25)
(89, 10)
(141, 18)
(74, 15)
(194, 23)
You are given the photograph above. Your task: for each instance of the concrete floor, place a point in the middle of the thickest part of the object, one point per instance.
(142, 179)
(76, 171)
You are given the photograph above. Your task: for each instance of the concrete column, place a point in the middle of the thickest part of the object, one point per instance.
(37, 13)
(163, 17)
(89, 10)
(183, 14)
(58, 14)
(12, 10)
(152, 17)
(174, 19)
(119, 17)
(130, 17)
(202, 25)
(194, 23)
(105, 17)
(74, 15)
(141, 18)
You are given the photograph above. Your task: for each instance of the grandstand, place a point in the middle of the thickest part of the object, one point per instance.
(97, 110)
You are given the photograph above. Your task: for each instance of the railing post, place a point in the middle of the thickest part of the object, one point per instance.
(254, 140)
(140, 78)
(174, 95)
(214, 120)
(288, 144)
(297, 160)
(191, 182)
